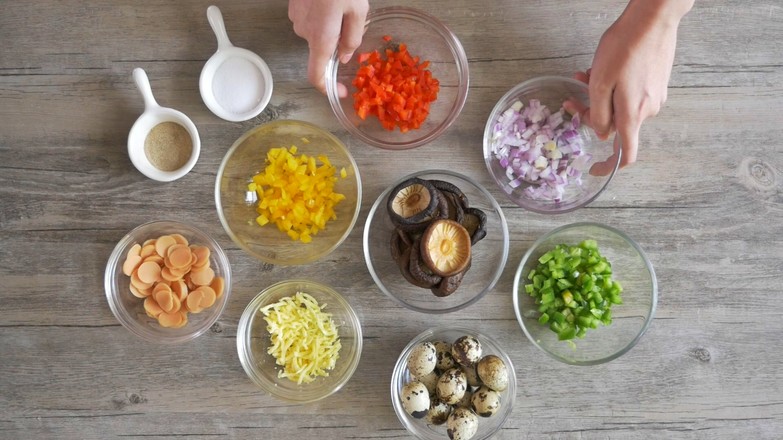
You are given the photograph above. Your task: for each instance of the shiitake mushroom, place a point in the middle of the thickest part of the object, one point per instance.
(404, 264)
(456, 210)
(398, 244)
(445, 247)
(412, 202)
(475, 221)
(448, 285)
(451, 188)
(434, 231)
(419, 270)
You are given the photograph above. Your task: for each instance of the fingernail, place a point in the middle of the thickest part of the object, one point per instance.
(345, 58)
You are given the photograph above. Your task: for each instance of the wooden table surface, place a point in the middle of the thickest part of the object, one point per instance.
(705, 201)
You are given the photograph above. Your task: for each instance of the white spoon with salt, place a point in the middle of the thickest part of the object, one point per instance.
(235, 83)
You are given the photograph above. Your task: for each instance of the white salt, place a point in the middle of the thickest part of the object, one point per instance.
(238, 85)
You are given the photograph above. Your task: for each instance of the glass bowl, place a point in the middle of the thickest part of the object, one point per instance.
(488, 255)
(236, 206)
(552, 92)
(129, 309)
(426, 37)
(630, 267)
(487, 426)
(253, 342)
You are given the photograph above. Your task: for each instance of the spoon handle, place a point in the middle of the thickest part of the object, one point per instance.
(143, 84)
(218, 27)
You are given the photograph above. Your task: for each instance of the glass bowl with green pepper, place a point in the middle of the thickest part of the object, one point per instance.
(585, 293)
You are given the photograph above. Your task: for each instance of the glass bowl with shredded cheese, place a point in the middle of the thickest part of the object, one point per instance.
(288, 192)
(299, 340)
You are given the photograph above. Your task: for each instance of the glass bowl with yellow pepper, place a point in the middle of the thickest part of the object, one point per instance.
(288, 192)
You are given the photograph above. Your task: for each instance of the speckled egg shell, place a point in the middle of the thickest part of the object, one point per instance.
(493, 372)
(465, 402)
(452, 385)
(466, 350)
(443, 353)
(471, 375)
(462, 424)
(430, 381)
(422, 360)
(415, 399)
(485, 402)
(438, 413)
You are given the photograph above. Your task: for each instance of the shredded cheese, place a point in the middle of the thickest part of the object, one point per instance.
(304, 339)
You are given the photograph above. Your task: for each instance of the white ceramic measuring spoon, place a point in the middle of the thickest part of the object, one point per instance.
(153, 115)
(235, 83)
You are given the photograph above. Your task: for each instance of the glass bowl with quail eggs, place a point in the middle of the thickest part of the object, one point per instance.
(455, 383)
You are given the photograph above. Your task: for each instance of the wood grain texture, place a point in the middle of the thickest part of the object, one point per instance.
(705, 201)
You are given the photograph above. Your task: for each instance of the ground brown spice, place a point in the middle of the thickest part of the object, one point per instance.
(168, 146)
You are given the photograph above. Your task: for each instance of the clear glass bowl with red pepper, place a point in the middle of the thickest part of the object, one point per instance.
(406, 83)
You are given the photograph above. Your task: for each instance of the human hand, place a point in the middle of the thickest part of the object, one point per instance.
(630, 74)
(328, 25)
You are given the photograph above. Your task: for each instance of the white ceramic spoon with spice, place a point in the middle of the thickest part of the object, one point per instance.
(163, 144)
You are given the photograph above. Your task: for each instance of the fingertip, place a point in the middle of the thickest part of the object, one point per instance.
(346, 57)
(342, 91)
(601, 168)
(574, 106)
(629, 138)
(582, 77)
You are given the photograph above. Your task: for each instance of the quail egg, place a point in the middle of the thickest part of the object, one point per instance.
(485, 402)
(493, 372)
(422, 360)
(471, 375)
(465, 402)
(439, 412)
(452, 385)
(415, 399)
(445, 359)
(466, 350)
(462, 424)
(430, 381)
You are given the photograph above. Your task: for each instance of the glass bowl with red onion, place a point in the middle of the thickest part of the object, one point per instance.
(540, 155)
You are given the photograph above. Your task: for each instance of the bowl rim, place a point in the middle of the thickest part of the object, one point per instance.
(121, 314)
(460, 61)
(379, 204)
(400, 366)
(311, 256)
(243, 327)
(648, 320)
(488, 158)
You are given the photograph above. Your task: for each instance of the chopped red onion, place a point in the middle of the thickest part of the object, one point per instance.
(539, 148)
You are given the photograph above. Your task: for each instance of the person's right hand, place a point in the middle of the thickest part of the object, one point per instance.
(630, 74)
(328, 25)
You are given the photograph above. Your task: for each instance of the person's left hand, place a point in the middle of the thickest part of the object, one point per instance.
(328, 25)
(628, 80)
